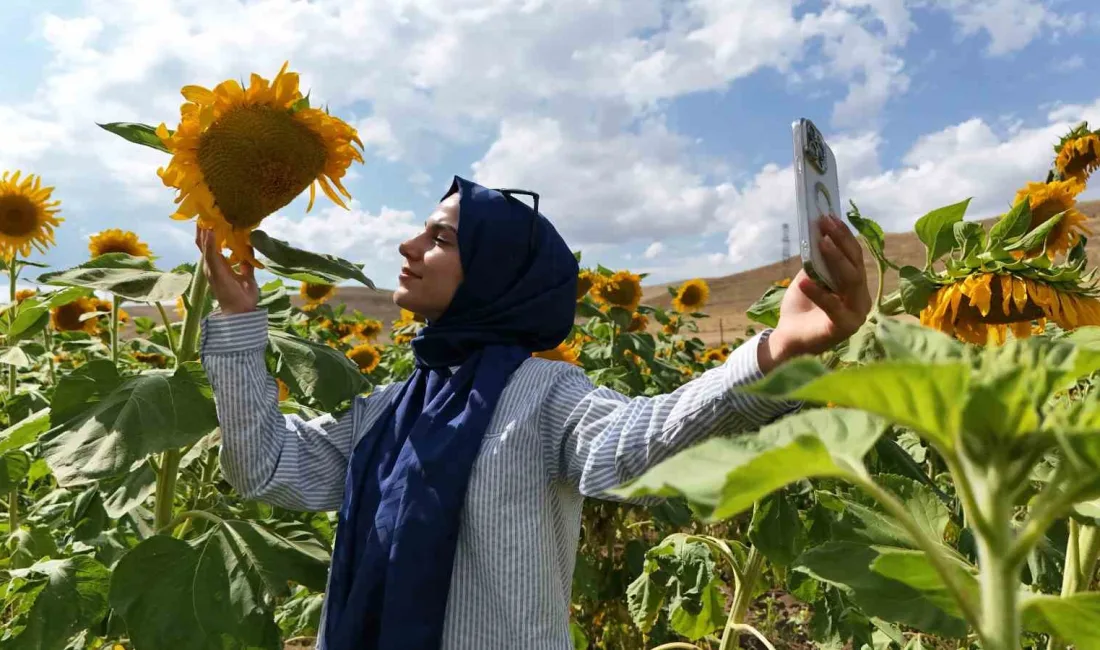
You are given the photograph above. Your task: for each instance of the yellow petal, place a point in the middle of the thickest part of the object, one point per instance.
(198, 95)
(312, 195)
(330, 193)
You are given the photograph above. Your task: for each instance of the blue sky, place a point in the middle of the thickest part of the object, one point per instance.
(658, 133)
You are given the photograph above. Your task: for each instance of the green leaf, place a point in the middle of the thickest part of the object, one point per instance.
(766, 308)
(912, 568)
(15, 356)
(970, 236)
(1013, 224)
(134, 278)
(725, 476)
(1075, 619)
(679, 571)
(315, 370)
(142, 134)
(69, 595)
(776, 529)
(621, 317)
(922, 396)
(213, 593)
(870, 525)
(872, 234)
(847, 565)
(1037, 237)
(24, 320)
(14, 465)
(28, 546)
(915, 288)
(134, 488)
(104, 423)
(25, 431)
(936, 230)
(914, 342)
(305, 266)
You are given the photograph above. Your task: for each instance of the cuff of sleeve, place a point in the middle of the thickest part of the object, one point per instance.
(224, 333)
(743, 367)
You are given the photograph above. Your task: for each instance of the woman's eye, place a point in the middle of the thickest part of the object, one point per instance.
(441, 241)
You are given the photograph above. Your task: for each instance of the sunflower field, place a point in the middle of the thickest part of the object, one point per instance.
(939, 486)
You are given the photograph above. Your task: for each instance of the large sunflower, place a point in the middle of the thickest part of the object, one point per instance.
(369, 328)
(66, 318)
(623, 289)
(365, 356)
(240, 154)
(692, 296)
(27, 215)
(114, 240)
(1047, 200)
(1078, 154)
(638, 323)
(315, 294)
(979, 310)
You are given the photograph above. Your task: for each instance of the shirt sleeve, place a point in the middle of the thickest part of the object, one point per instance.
(601, 438)
(267, 455)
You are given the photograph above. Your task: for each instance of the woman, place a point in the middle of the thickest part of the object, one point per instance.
(459, 491)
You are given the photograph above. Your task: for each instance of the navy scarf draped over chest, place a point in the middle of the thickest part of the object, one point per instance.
(407, 477)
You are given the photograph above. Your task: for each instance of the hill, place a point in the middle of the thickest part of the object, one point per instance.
(730, 295)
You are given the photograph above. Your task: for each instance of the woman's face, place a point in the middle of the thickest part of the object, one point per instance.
(433, 269)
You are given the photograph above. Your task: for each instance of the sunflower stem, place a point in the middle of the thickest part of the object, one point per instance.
(13, 277)
(187, 351)
(881, 284)
(115, 303)
(168, 330)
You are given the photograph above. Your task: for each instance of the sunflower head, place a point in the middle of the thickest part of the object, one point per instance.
(114, 240)
(672, 326)
(369, 328)
(622, 289)
(23, 294)
(718, 354)
(565, 352)
(239, 154)
(27, 215)
(315, 294)
(1047, 200)
(152, 358)
(586, 280)
(691, 296)
(66, 318)
(638, 323)
(366, 356)
(1078, 154)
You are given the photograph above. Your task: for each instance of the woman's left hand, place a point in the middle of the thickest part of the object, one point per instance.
(813, 319)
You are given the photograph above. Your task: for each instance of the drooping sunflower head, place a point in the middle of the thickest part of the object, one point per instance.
(114, 240)
(1047, 200)
(27, 215)
(366, 356)
(66, 318)
(622, 289)
(239, 154)
(369, 328)
(566, 352)
(984, 307)
(691, 296)
(315, 294)
(152, 358)
(638, 323)
(586, 280)
(1078, 154)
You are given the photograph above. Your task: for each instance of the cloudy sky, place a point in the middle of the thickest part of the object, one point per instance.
(657, 132)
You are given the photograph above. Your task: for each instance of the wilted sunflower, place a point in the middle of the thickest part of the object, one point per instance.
(365, 356)
(315, 294)
(638, 323)
(27, 215)
(66, 318)
(240, 154)
(623, 289)
(115, 240)
(564, 352)
(23, 294)
(369, 328)
(1078, 154)
(980, 310)
(691, 296)
(586, 280)
(1047, 200)
(152, 358)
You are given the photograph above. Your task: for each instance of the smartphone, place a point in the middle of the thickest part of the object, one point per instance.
(817, 195)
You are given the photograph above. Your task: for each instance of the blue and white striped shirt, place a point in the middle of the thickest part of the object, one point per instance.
(554, 439)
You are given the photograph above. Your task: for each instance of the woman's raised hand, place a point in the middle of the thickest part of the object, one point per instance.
(237, 293)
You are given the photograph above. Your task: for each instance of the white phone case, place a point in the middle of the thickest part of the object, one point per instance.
(817, 194)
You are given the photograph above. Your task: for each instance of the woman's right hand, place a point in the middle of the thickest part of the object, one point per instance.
(237, 293)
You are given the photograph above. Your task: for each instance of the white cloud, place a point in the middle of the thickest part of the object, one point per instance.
(653, 250)
(1010, 24)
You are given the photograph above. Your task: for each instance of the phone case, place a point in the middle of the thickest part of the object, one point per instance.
(817, 194)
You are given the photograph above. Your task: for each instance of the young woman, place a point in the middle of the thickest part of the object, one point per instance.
(459, 491)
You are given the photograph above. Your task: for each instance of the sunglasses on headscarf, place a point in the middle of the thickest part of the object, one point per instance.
(509, 193)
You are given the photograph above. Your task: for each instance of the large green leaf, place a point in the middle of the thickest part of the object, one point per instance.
(725, 476)
(315, 370)
(970, 236)
(869, 524)
(872, 234)
(914, 342)
(25, 431)
(915, 288)
(29, 545)
(130, 277)
(212, 593)
(937, 229)
(679, 574)
(776, 529)
(912, 568)
(847, 565)
(13, 468)
(103, 423)
(124, 495)
(69, 595)
(306, 266)
(1035, 238)
(137, 133)
(925, 397)
(766, 308)
(1075, 619)
(24, 320)
(1013, 224)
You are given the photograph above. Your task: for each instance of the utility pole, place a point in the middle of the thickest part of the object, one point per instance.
(786, 252)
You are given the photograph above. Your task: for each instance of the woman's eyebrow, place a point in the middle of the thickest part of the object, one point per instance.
(439, 224)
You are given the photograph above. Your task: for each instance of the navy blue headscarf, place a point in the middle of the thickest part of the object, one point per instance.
(407, 477)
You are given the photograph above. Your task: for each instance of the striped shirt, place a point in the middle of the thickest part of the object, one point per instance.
(554, 439)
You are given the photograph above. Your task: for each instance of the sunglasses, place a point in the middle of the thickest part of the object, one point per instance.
(510, 193)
